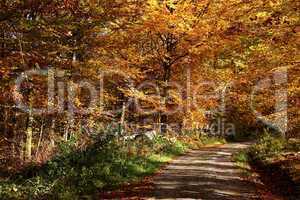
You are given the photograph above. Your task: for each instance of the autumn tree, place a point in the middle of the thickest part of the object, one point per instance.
(58, 36)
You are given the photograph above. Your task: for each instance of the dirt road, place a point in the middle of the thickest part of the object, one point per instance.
(208, 174)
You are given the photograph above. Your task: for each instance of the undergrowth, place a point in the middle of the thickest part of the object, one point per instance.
(274, 159)
(107, 163)
(271, 147)
(266, 148)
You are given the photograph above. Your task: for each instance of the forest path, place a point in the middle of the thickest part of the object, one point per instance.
(208, 174)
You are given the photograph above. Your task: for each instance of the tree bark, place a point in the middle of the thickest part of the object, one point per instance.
(165, 94)
(3, 46)
(40, 138)
(122, 120)
(5, 121)
(52, 133)
(28, 146)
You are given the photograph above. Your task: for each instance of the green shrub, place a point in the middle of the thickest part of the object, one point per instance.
(241, 157)
(107, 163)
(268, 146)
(242, 160)
(74, 174)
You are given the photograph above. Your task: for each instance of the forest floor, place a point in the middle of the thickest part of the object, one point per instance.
(209, 173)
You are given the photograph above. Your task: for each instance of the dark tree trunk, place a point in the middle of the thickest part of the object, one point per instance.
(165, 94)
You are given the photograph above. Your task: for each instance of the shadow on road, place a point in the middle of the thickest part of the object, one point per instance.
(208, 174)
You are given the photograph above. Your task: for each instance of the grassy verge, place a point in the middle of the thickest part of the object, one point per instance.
(274, 160)
(242, 159)
(79, 174)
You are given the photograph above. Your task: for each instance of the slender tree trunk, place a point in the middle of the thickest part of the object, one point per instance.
(13, 132)
(5, 121)
(40, 138)
(159, 122)
(22, 149)
(28, 146)
(3, 46)
(122, 120)
(70, 112)
(69, 130)
(52, 133)
(66, 133)
(165, 94)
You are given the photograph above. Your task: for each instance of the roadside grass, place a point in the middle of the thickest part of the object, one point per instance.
(274, 160)
(267, 149)
(106, 164)
(241, 160)
(270, 148)
(212, 141)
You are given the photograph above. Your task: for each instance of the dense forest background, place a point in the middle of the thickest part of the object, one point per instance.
(70, 69)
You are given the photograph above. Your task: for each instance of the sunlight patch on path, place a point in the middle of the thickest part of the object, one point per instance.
(208, 174)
